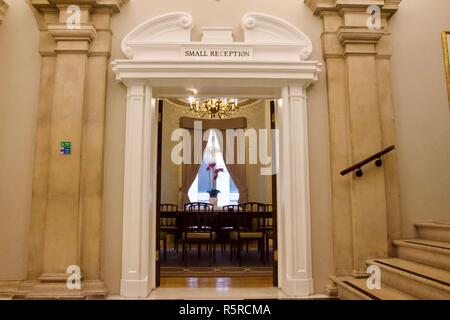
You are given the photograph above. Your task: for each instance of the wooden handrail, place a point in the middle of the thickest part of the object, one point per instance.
(357, 167)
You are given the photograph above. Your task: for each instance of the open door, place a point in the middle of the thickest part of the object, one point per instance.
(274, 199)
(158, 192)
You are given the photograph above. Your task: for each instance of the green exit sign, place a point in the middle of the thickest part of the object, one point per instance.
(66, 148)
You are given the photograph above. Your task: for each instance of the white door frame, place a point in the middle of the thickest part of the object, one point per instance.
(273, 65)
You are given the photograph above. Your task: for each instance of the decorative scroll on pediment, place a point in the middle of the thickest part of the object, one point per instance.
(169, 28)
(169, 37)
(265, 29)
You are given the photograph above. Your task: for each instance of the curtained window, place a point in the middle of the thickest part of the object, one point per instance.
(229, 193)
(232, 169)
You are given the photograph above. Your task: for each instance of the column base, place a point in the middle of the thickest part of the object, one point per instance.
(298, 287)
(134, 288)
(57, 290)
(331, 289)
(7, 288)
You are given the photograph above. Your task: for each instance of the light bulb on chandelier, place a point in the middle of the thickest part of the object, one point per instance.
(213, 108)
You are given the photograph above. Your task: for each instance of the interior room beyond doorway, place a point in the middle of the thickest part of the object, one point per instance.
(230, 253)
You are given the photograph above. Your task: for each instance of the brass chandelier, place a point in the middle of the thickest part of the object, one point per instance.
(213, 108)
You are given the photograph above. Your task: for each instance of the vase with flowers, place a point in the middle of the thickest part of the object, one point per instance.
(213, 176)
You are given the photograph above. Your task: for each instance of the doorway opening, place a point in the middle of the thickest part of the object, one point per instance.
(224, 241)
(277, 65)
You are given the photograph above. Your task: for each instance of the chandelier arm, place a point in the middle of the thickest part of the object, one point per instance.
(218, 107)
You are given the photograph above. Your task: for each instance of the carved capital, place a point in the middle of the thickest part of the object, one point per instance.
(358, 35)
(92, 36)
(359, 40)
(388, 7)
(72, 40)
(46, 5)
(346, 29)
(3, 8)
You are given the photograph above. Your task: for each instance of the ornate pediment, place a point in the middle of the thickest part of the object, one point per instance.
(261, 28)
(169, 28)
(265, 38)
(161, 52)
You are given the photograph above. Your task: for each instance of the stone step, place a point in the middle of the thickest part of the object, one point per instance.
(422, 281)
(7, 288)
(350, 288)
(434, 231)
(36, 290)
(432, 253)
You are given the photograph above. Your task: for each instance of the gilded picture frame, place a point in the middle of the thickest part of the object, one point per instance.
(446, 42)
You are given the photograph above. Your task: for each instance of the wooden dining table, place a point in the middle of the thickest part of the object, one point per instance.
(216, 212)
(219, 217)
(221, 221)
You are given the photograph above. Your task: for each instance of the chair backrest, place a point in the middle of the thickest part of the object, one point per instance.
(252, 206)
(268, 209)
(265, 207)
(198, 206)
(168, 215)
(232, 207)
(198, 221)
(168, 207)
(250, 221)
(228, 217)
(255, 220)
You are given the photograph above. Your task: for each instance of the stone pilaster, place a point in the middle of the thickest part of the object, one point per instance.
(67, 189)
(3, 8)
(366, 211)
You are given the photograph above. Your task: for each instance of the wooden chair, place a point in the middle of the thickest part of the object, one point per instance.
(225, 224)
(268, 209)
(168, 207)
(198, 227)
(252, 207)
(198, 206)
(246, 230)
(270, 232)
(168, 224)
(232, 207)
(163, 238)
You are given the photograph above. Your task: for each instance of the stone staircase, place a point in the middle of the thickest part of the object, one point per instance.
(421, 269)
